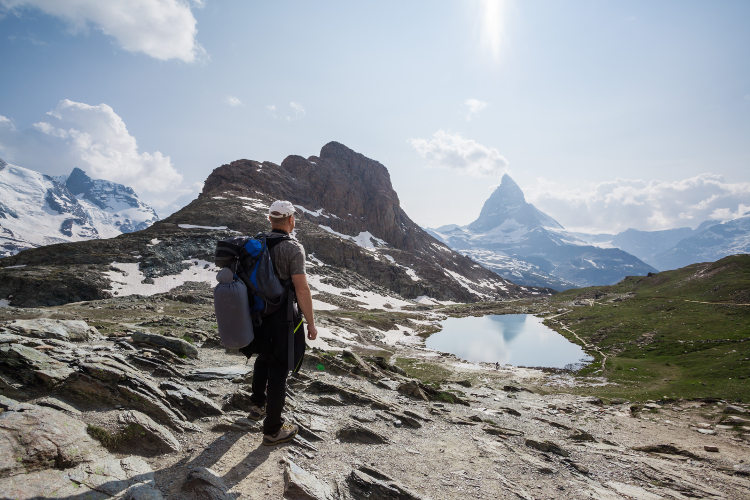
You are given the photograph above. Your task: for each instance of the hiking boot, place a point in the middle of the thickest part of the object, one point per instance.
(256, 413)
(285, 434)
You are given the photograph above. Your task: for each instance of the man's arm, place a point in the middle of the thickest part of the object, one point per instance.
(304, 299)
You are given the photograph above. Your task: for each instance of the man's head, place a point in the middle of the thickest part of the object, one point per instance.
(281, 214)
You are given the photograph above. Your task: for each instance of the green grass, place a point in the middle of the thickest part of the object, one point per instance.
(425, 371)
(660, 340)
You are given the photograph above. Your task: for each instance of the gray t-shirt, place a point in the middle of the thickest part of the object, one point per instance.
(289, 258)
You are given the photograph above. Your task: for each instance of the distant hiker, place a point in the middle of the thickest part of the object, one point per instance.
(276, 331)
(497, 365)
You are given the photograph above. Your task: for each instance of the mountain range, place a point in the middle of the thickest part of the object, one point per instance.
(523, 244)
(361, 245)
(37, 209)
(679, 247)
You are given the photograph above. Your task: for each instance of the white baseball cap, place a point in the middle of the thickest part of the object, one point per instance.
(280, 209)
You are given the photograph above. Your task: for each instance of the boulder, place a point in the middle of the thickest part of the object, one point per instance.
(735, 410)
(192, 403)
(31, 366)
(177, 346)
(302, 485)
(204, 484)
(219, 373)
(368, 482)
(58, 405)
(547, 447)
(360, 434)
(35, 438)
(60, 329)
(112, 380)
(151, 436)
(413, 390)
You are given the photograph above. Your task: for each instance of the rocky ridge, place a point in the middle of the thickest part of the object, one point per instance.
(133, 398)
(352, 226)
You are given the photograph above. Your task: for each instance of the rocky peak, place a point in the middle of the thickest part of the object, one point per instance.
(507, 203)
(78, 182)
(3, 164)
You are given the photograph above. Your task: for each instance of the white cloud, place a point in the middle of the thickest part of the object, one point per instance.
(163, 29)
(233, 101)
(295, 111)
(617, 205)
(473, 107)
(456, 152)
(5, 121)
(93, 138)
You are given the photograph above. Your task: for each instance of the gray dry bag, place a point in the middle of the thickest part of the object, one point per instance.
(232, 311)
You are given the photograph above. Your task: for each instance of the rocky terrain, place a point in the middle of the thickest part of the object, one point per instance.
(133, 398)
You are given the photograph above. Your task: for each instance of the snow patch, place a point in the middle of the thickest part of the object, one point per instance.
(191, 226)
(370, 300)
(365, 239)
(319, 305)
(126, 279)
(153, 242)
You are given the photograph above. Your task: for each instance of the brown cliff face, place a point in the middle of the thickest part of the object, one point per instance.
(351, 194)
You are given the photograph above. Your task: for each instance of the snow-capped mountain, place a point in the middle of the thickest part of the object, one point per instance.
(527, 246)
(37, 210)
(679, 247)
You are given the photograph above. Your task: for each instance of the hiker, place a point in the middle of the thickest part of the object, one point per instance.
(497, 365)
(271, 366)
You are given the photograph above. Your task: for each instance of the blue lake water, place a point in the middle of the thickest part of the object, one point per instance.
(514, 339)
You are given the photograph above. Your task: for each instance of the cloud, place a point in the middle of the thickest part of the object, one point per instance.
(493, 14)
(233, 101)
(617, 205)
(162, 29)
(294, 112)
(473, 107)
(456, 152)
(93, 138)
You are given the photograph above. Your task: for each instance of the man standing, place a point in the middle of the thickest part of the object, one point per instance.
(272, 365)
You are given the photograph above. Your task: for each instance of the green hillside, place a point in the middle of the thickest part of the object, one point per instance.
(682, 333)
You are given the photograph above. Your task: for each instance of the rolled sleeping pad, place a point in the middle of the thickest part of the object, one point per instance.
(232, 311)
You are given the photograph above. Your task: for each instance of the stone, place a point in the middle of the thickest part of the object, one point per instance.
(708, 432)
(360, 366)
(112, 476)
(735, 420)
(219, 373)
(302, 485)
(36, 438)
(368, 482)
(501, 431)
(192, 403)
(581, 435)
(177, 346)
(58, 405)
(238, 400)
(152, 436)
(6, 402)
(711, 449)
(204, 484)
(405, 419)
(547, 447)
(359, 434)
(387, 383)
(735, 410)
(30, 366)
(413, 390)
(667, 449)
(45, 328)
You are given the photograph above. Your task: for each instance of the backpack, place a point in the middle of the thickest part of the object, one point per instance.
(250, 261)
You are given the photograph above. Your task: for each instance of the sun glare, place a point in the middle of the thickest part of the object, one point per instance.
(493, 13)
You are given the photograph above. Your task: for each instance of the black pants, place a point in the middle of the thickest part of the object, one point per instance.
(269, 388)
(271, 370)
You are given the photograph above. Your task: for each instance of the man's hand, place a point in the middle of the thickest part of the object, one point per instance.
(312, 332)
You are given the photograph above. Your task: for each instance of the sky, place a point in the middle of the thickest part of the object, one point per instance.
(608, 114)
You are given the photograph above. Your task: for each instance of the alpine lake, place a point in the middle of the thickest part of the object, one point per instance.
(512, 339)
